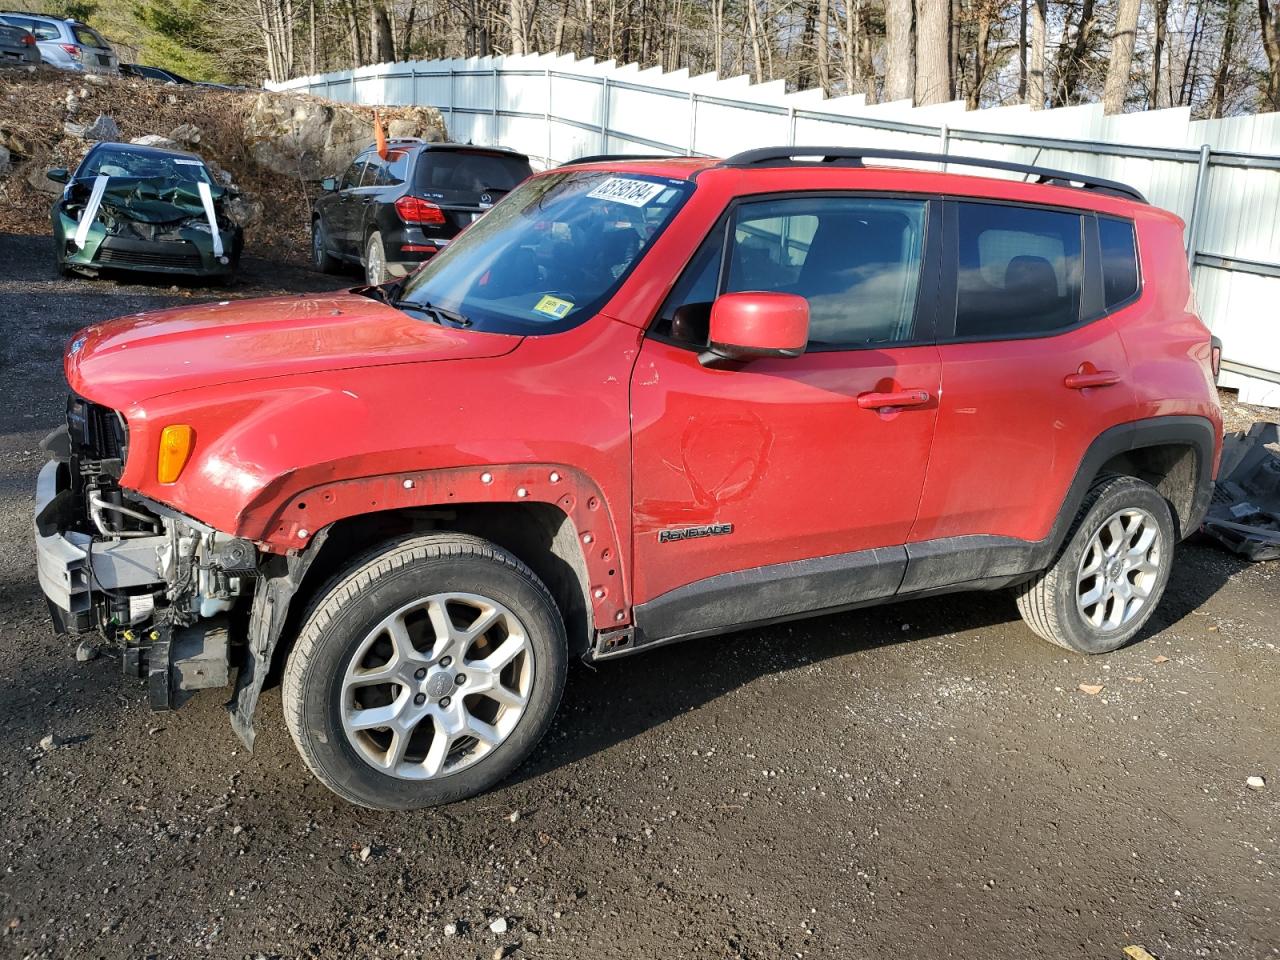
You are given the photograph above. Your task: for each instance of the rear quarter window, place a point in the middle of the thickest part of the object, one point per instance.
(1119, 260)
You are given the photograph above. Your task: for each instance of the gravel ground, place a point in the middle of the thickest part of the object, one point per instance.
(923, 779)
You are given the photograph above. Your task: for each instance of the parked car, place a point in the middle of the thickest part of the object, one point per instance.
(156, 210)
(18, 47)
(66, 44)
(389, 215)
(637, 402)
(143, 72)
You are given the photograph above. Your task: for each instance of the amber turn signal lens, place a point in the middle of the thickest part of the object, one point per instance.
(176, 441)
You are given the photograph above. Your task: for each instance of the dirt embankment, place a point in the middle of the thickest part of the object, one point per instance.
(274, 147)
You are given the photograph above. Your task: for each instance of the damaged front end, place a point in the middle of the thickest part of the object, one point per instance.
(165, 588)
(153, 224)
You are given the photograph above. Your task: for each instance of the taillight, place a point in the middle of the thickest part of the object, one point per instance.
(72, 49)
(29, 39)
(1215, 357)
(417, 210)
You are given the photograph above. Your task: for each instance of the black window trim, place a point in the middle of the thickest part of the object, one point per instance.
(1090, 308)
(928, 296)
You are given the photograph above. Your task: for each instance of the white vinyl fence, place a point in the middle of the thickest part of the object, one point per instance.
(1221, 176)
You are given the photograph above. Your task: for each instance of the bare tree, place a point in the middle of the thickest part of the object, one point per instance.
(1271, 44)
(1123, 38)
(933, 60)
(1035, 71)
(899, 59)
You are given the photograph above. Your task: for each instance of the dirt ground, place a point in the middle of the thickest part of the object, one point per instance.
(919, 780)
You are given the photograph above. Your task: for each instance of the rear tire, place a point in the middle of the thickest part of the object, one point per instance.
(321, 258)
(375, 260)
(1110, 574)
(396, 702)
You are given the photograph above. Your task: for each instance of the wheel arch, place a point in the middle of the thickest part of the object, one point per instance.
(1175, 454)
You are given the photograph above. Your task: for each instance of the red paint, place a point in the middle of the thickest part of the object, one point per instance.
(760, 323)
(308, 410)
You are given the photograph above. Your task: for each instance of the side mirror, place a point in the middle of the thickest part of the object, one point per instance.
(58, 174)
(328, 184)
(749, 326)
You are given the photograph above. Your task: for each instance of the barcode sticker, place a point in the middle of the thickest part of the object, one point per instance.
(634, 193)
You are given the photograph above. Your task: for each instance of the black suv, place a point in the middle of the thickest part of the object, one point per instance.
(388, 215)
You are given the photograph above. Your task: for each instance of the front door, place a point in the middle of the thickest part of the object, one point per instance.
(799, 468)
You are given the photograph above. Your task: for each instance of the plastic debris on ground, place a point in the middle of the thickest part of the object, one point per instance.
(1245, 513)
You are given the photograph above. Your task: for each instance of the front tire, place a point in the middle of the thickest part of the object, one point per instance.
(1110, 575)
(425, 673)
(321, 258)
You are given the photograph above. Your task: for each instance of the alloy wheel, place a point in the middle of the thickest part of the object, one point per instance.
(375, 270)
(437, 685)
(1119, 569)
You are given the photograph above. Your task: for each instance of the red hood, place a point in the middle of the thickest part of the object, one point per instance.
(145, 355)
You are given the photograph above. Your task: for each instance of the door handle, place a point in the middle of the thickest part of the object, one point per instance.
(898, 398)
(1092, 378)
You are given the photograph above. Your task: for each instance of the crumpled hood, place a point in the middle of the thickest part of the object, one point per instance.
(134, 358)
(151, 199)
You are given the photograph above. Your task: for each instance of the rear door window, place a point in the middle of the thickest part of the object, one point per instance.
(1018, 270)
(1119, 260)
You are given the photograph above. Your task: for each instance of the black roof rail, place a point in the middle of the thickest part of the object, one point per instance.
(853, 156)
(607, 157)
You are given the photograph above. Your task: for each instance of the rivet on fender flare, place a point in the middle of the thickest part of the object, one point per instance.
(522, 492)
(555, 477)
(486, 478)
(302, 534)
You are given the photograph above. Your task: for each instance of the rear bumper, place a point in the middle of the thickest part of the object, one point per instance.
(26, 57)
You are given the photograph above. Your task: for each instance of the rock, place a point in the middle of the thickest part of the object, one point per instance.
(1256, 783)
(102, 129)
(96, 80)
(365, 854)
(450, 929)
(513, 816)
(73, 103)
(243, 211)
(51, 741)
(16, 143)
(311, 138)
(86, 650)
(499, 926)
(4, 161)
(155, 140)
(186, 133)
(500, 952)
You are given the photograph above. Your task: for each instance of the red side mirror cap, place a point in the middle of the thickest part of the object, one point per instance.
(751, 325)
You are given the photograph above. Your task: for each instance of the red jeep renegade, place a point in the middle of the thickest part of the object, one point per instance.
(639, 401)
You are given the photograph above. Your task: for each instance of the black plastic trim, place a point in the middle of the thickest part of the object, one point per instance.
(823, 585)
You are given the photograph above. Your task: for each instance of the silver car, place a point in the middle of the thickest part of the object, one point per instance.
(18, 47)
(66, 44)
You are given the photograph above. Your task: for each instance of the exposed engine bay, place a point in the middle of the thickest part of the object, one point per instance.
(163, 587)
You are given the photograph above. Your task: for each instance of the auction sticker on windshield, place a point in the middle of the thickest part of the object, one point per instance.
(634, 193)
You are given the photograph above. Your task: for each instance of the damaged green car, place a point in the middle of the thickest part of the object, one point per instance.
(131, 207)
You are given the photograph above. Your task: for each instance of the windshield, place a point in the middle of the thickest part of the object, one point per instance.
(550, 254)
(130, 163)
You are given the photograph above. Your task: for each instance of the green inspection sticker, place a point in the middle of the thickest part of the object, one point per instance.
(553, 307)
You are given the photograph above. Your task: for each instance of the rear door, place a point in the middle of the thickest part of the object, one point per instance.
(789, 461)
(1032, 370)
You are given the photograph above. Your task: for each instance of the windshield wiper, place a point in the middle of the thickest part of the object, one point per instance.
(439, 314)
